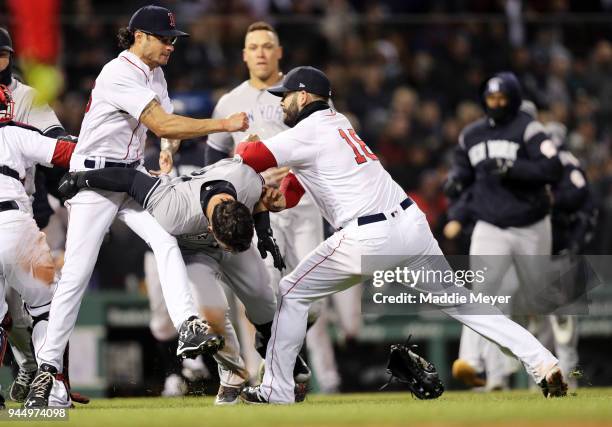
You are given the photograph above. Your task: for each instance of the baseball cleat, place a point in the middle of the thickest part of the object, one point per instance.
(553, 384)
(464, 372)
(228, 395)
(194, 339)
(21, 386)
(301, 371)
(300, 390)
(77, 397)
(252, 396)
(68, 185)
(41, 386)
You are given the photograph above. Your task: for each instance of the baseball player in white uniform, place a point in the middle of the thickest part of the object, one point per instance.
(26, 264)
(43, 118)
(297, 231)
(129, 97)
(373, 216)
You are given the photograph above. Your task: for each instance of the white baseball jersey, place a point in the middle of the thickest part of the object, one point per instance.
(336, 168)
(264, 111)
(111, 127)
(21, 149)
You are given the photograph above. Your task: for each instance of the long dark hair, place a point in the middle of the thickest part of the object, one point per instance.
(125, 38)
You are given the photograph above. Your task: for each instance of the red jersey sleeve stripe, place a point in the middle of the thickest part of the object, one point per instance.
(62, 153)
(292, 190)
(256, 155)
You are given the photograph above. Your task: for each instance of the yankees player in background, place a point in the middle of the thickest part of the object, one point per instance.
(373, 216)
(573, 218)
(297, 231)
(130, 96)
(502, 168)
(37, 180)
(26, 264)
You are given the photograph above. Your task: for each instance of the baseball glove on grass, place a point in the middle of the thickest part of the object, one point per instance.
(417, 373)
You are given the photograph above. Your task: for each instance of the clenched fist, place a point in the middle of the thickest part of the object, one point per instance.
(236, 122)
(273, 199)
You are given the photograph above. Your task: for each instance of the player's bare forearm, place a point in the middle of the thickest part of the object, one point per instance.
(170, 145)
(173, 126)
(165, 163)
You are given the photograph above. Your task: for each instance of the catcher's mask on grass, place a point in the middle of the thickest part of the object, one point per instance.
(232, 225)
(6, 104)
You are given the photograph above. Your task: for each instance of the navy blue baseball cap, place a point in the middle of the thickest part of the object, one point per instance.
(155, 20)
(5, 41)
(310, 79)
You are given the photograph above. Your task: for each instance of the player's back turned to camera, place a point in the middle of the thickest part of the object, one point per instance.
(373, 217)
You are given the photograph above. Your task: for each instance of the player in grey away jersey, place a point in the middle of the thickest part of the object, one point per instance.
(211, 212)
(296, 231)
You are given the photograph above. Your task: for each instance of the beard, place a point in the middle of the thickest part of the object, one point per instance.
(291, 114)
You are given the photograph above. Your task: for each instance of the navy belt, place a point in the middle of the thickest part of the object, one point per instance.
(91, 164)
(9, 205)
(5, 170)
(369, 219)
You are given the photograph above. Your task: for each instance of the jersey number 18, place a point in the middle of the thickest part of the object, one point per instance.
(361, 150)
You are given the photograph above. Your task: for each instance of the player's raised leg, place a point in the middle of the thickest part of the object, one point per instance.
(194, 337)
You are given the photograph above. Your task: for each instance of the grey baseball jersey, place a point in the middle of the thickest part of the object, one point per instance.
(42, 117)
(175, 202)
(264, 111)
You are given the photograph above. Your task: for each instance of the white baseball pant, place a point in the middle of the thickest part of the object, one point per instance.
(336, 264)
(91, 214)
(298, 231)
(27, 267)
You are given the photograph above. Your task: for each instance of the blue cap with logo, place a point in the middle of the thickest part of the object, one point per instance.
(155, 20)
(310, 79)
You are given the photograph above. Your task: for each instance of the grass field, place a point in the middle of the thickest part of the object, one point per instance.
(588, 407)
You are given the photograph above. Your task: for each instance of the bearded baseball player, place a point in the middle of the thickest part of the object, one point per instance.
(26, 264)
(37, 179)
(297, 231)
(129, 97)
(373, 216)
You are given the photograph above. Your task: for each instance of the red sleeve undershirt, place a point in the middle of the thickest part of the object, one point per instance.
(63, 152)
(256, 155)
(291, 189)
(259, 157)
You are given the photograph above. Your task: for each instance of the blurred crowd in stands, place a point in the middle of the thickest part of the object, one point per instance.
(408, 72)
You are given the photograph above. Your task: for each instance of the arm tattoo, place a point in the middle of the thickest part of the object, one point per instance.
(148, 109)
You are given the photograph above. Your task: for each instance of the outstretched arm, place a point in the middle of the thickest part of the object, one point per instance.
(173, 126)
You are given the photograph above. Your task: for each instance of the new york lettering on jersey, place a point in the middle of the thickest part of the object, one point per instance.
(263, 109)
